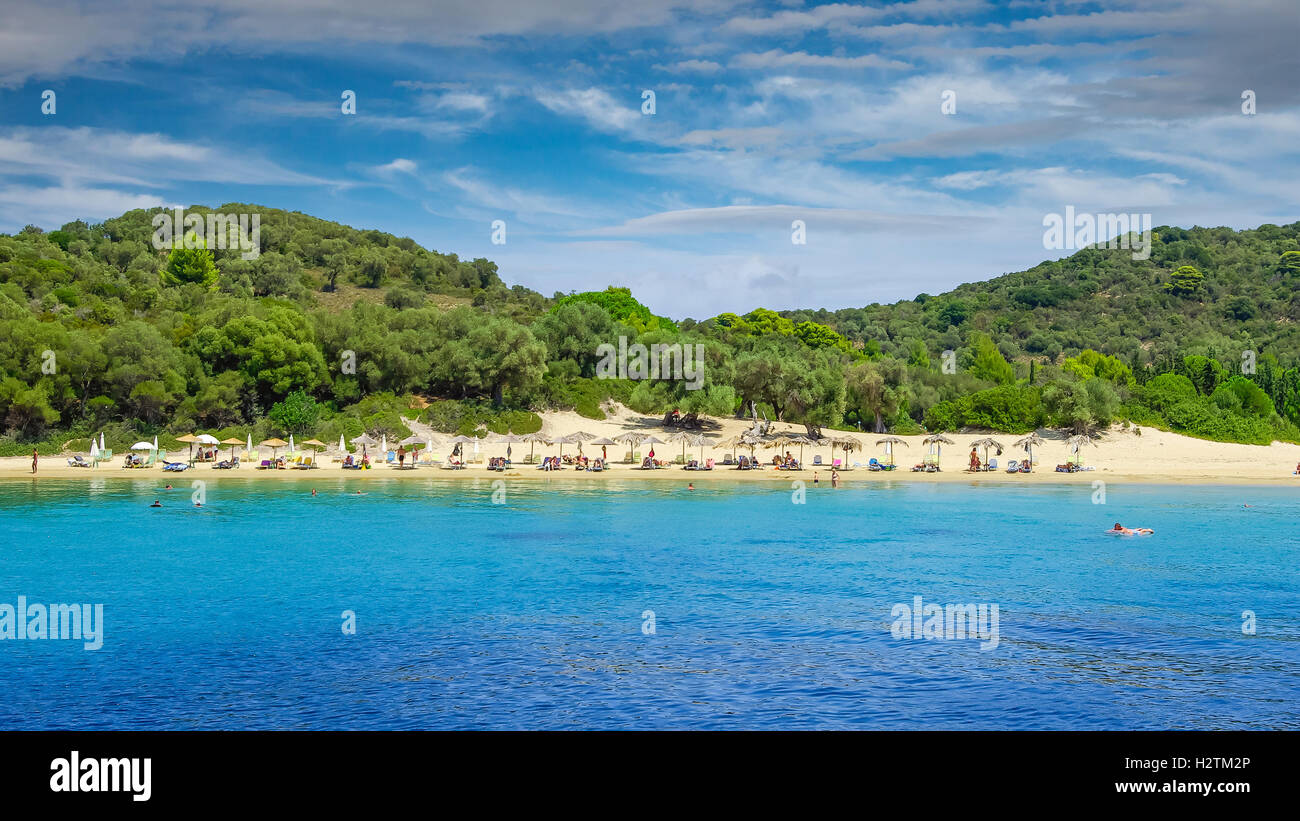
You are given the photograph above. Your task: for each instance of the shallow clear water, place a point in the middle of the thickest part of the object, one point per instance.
(767, 614)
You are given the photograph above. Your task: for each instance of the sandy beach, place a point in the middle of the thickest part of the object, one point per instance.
(1148, 456)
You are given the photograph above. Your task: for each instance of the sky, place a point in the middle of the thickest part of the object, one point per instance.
(919, 144)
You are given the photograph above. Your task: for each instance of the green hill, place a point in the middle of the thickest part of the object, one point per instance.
(334, 330)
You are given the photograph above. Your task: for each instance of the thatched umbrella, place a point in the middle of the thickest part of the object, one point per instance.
(580, 436)
(273, 444)
(188, 439)
(849, 444)
(234, 443)
(986, 443)
(685, 437)
(889, 442)
(365, 440)
(1028, 443)
(532, 439)
(730, 443)
(935, 442)
(702, 440)
(1076, 443)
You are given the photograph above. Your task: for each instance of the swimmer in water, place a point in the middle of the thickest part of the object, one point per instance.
(313, 491)
(835, 479)
(169, 487)
(1135, 531)
(690, 486)
(815, 477)
(156, 503)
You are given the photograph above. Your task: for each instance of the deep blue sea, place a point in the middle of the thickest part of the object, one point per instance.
(533, 613)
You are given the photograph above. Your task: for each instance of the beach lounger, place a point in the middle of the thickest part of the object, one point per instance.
(1013, 466)
(77, 462)
(306, 463)
(175, 467)
(992, 465)
(817, 460)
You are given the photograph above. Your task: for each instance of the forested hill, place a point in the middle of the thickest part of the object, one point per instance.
(334, 330)
(1240, 293)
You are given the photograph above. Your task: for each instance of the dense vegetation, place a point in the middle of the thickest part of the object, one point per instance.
(334, 330)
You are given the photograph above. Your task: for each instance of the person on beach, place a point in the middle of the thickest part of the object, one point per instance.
(34, 458)
(508, 453)
(605, 457)
(814, 477)
(974, 460)
(835, 479)
(401, 455)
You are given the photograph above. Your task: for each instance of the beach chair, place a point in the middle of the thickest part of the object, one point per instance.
(992, 465)
(817, 460)
(305, 463)
(874, 464)
(77, 462)
(1013, 466)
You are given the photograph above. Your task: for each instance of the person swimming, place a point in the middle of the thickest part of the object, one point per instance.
(1131, 531)
(156, 503)
(690, 486)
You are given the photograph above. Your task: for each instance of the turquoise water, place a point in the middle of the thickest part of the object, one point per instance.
(767, 614)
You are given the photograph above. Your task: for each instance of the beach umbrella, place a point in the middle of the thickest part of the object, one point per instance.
(248, 445)
(532, 439)
(751, 442)
(291, 445)
(365, 440)
(155, 443)
(316, 443)
(274, 444)
(462, 440)
(383, 443)
(94, 450)
(633, 441)
(1076, 442)
(142, 446)
(935, 442)
(1028, 443)
(701, 441)
(234, 443)
(685, 437)
(986, 443)
(189, 439)
(848, 444)
(343, 448)
(414, 443)
(889, 442)
(102, 446)
(729, 443)
(580, 436)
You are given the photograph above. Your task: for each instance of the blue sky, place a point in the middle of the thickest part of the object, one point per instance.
(765, 113)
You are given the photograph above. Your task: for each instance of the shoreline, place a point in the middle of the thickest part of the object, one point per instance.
(1132, 455)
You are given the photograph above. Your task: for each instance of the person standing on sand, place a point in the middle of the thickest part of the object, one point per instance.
(34, 458)
(604, 456)
(835, 479)
(814, 477)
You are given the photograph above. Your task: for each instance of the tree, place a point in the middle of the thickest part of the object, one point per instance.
(872, 394)
(1186, 281)
(988, 362)
(190, 265)
(298, 412)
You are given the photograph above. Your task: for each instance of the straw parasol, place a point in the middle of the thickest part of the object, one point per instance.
(889, 442)
(685, 437)
(578, 437)
(986, 443)
(316, 443)
(234, 443)
(701, 440)
(935, 442)
(273, 444)
(786, 440)
(188, 439)
(532, 439)
(1028, 443)
(848, 444)
(1076, 443)
(365, 440)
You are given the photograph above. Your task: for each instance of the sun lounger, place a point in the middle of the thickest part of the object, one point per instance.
(306, 463)
(77, 462)
(175, 467)
(817, 460)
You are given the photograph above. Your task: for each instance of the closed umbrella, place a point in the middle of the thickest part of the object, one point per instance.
(155, 443)
(248, 445)
(343, 448)
(383, 444)
(291, 445)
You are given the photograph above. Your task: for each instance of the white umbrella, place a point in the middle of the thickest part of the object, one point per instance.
(142, 446)
(155, 443)
(248, 446)
(94, 450)
(383, 443)
(343, 448)
(102, 446)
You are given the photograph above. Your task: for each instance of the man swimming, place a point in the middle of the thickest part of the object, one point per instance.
(1134, 531)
